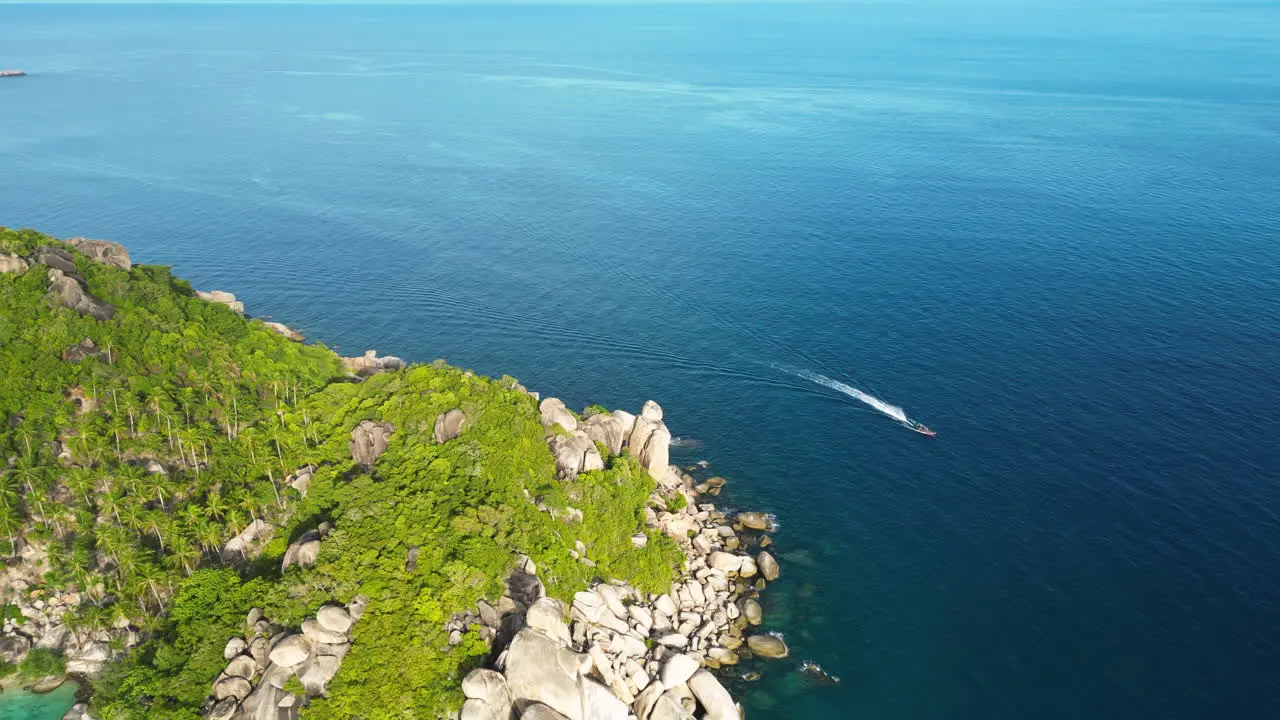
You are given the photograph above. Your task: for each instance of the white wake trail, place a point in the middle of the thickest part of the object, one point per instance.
(892, 411)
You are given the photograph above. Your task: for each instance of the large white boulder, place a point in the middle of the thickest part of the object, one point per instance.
(104, 251)
(678, 670)
(606, 430)
(599, 703)
(12, 263)
(291, 650)
(234, 647)
(575, 454)
(589, 604)
(490, 687)
(334, 618)
(650, 441)
(546, 616)
(319, 635)
(725, 562)
(668, 707)
(768, 566)
(242, 666)
(231, 686)
(474, 709)
(555, 413)
(538, 711)
(715, 700)
(539, 669)
(448, 425)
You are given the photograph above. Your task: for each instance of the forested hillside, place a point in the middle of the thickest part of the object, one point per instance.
(143, 428)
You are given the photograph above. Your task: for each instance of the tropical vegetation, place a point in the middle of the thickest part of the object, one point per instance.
(135, 447)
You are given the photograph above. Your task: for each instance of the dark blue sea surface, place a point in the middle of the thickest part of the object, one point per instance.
(1050, 231)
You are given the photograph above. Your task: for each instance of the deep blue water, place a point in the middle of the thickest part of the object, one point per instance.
(1049, 230)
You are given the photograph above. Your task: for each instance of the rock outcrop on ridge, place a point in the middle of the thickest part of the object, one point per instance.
(255, 683)
(222, 298)
(573, 442)
(104, 251)
(371, 364)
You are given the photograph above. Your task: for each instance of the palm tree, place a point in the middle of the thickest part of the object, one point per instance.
(56, 556)
(249, 436)
(134, 480)
(10, 523)
(214, 506)
(116, 424)
(159, 524)
(235, 521)
(95, 618)
(8, 491)
(110, 503)
(249, 504)
(30, 474)
(182, 556)
(204, 436)
(130, 404)
(81, 572)
(191, 514)
(133, 516)
(103, 480)
(156, 484)
(26, 438)
(81, 482)
(149, 578)
(127, 561)
(280, 450)
(41, 501)
(208, 535)
(111, 541)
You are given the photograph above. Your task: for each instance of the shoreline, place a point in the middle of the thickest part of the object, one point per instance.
(651, 650)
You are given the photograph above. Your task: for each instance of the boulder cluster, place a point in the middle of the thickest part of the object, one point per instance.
(371, 364)
(255, 683)
(40, 620)
(573, 442)
(66, 285)
(369, 440)
(249, 542)
(620, 657)
(104, 251)
(627, 654)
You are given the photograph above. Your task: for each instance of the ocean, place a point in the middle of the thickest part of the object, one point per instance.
(1049, 231)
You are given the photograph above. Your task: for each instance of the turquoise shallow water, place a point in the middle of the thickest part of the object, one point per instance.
(1048, 231)
(22, 705)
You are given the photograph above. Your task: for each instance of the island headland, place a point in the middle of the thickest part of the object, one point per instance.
(204, 515)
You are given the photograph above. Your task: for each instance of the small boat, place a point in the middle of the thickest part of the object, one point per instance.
(921, 428)
(12, 73)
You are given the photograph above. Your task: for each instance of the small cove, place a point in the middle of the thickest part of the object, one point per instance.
(20, 704)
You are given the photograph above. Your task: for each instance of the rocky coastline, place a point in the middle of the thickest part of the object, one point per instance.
(624, 653)
(613, 651)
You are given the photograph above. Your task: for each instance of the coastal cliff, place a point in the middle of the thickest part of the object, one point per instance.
(203, 514)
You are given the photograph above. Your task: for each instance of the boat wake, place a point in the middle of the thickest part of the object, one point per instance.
(892, 411)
